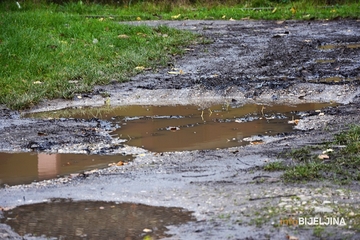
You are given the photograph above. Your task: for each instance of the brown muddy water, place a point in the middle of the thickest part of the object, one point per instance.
(20, 168)
(344, 45)
(65, 219)
(158, 129)
(189, 127)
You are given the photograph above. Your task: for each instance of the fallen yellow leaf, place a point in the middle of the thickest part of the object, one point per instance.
(138, 18)
(141, 34)
(293, 10)
(175, 16)
(140, 68)
(328, 150)
(123, 36)
(176, 73)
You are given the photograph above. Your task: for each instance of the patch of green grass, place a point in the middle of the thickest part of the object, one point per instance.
(46, 54)
(226, 10)
(318, 231)
(303, 172)
(342, 166)
(351, 139)
(275, 166)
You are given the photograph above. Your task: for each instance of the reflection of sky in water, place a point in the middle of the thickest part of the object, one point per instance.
(19, 168)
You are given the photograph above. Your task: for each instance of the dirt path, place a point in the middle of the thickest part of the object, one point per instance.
(246, 61)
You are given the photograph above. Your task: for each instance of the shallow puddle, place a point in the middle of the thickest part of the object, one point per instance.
(325, 60)
(65, 219)
(176, 128)
(334, 79)
(345, 45)
(21, 168)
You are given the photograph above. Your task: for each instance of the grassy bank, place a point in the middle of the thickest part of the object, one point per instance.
(51, 50)
(46, 54)
(337, 161)
(125, 10)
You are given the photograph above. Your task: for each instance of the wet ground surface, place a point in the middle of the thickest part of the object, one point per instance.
(65, 219)
(22, 168)
(245, 62)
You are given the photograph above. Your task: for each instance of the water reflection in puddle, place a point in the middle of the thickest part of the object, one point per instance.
(20, 168)
(173, 128)
(64, 219)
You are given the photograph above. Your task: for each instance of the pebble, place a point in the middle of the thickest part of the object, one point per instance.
(323, 210)
(282, 204)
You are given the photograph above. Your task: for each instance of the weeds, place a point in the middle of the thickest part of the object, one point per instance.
(342, 166)
(275, 166)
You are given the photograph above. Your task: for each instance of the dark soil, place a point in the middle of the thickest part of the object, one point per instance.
(244, 61)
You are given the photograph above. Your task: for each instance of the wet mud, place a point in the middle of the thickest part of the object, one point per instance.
(246, 62)
(94, 220)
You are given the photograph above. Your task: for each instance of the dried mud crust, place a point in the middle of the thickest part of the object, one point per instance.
(245, 61)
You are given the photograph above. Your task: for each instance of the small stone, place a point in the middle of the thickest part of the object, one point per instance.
(304, 198)
(326, 202)
(323, 210)
(286, 200)
(147, 230)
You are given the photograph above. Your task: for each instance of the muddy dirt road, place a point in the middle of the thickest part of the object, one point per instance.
(262, 62)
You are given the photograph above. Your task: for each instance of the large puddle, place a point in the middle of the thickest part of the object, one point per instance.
(65, 219)
(21, 168)
(177, 128)
(159, 129)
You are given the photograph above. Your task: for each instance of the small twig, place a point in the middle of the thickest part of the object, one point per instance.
(278, 196)
(262, 110)
(243, 162)
(206, 175)
(261, 176)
